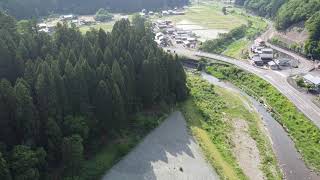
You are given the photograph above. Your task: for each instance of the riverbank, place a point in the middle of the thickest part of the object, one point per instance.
(216, 117)
(110, 153)
(303, 132)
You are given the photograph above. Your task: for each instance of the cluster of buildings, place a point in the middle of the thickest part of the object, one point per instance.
(167, 34)
(175, 11)
(261, 55)
(48, 27)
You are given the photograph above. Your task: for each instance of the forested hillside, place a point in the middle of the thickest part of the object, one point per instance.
(35, 8)
(60, 94)
(267, 8)
(286, 13)
(295, 11)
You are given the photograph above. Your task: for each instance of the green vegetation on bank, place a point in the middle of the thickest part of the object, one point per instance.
(303, 132)
(203, 112)
(210, 112)
(236, 109)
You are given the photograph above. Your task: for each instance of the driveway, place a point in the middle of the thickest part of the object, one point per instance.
(167, 153)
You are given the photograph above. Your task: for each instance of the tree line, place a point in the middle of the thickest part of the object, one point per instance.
(224, 40)
(60, 94)
(34, 8)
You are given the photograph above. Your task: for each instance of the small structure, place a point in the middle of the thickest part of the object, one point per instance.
(151, 13)
(179, 41)
(260, 42)
(272, 65)
(67, 17)
(76, 22)
(313, 81)
(186, 43)
(192, 39)
(178, 13)
(266, 54)
(283, 61)
(170, 30)
(142, 14)
(45, 30)
(165, 13)
(256, 59)
(158, 35)
(42, 25)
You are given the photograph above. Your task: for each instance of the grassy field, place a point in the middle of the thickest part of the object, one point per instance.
(97, 166)
(210, 112)
(304, 133)
(238, 48)
(209, 15)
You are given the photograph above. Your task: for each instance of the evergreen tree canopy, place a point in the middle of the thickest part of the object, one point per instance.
(59, 93)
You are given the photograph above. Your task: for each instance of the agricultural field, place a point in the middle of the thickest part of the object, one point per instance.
(106, 26)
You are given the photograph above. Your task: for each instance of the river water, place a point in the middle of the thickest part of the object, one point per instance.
(290, 161)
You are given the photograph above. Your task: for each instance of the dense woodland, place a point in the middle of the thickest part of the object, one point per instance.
(60, 94)
(287, 13)
(35, 8)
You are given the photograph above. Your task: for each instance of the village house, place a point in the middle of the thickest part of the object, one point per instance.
(312, 80)
(266, 54)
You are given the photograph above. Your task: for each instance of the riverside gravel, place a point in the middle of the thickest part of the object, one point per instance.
(167, 153)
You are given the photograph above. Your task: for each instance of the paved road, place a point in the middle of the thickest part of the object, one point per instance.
(167, 153)
(278, 79)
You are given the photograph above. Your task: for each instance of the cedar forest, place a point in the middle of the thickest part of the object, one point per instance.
(61, 93)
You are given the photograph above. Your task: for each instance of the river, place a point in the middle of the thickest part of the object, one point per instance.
(290, 161)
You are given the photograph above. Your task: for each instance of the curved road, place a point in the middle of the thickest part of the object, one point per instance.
(167, 153)
(277, 78)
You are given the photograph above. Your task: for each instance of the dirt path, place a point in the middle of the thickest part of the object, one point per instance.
(246, 150)
(167, 153)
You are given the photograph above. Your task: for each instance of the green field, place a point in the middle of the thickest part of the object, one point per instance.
(237, 49)
(209, 15)
(210, 112)
(107, 26)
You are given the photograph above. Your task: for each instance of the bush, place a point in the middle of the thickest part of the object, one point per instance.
(224, 40)
(103, 15)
